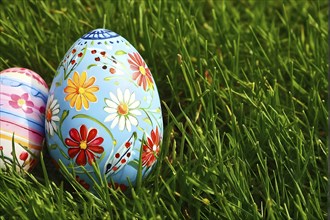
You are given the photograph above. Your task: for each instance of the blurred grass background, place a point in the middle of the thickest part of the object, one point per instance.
(244, 92)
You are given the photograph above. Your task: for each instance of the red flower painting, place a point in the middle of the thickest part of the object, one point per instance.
(141, 73)
(84, 145)
(150, 150)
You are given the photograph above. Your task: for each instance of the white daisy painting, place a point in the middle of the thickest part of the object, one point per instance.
(52, 110)
(122, 109)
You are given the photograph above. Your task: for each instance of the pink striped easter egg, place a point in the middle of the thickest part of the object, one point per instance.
(23, 97)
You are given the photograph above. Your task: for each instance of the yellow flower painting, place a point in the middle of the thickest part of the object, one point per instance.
(80, 90)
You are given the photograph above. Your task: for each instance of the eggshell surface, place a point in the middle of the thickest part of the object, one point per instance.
(104, 108)
(23, 97)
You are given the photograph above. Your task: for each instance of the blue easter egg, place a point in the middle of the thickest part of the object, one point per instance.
(104, 108)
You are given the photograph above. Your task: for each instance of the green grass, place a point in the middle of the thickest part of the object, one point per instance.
(244, 95)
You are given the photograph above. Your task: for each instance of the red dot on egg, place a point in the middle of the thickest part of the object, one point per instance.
(97, 59)
(23, 156)
(93, 51)
(122, 187)
(42, 109)
(112, 70)
(117, 155)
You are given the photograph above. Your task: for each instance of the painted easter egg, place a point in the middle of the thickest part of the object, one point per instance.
(104, 108)
(23, 97)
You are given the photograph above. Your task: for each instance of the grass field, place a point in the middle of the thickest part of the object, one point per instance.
(244, 94)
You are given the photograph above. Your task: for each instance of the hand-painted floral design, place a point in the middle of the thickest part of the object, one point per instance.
(150, 149)
(21, 102)
(127, 127)
(72, 59)
(81, 92)
(141, 73)
(84, 145)
(121, 157)
(122, 110)
(53, 108)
